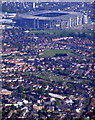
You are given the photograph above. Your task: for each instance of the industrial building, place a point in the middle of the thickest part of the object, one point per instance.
(51, 19)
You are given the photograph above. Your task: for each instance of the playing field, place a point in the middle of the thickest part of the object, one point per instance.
(54, 52)
(41, 31)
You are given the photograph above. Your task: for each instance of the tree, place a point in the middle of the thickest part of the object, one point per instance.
(39, 112)
(41, 119)
(23, 96)
(41, 91)
(57, 102)
(47, 93)
(48, 118)
(30, 89)
(20, 89)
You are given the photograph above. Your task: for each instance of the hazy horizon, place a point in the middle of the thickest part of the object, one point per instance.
(48, 0)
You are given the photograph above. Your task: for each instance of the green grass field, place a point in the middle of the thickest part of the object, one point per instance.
(54, 52)
(42, 31)
(65, 33)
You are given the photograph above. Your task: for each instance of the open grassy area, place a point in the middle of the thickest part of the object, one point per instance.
(42, 31)
(64, 33)
(54, 52)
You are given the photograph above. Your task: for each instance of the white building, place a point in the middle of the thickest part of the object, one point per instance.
(34, 5)
(85, 20)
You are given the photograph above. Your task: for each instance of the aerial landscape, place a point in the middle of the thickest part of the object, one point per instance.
(47, 64)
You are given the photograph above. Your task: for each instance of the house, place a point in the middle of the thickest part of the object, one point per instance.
(5, 92)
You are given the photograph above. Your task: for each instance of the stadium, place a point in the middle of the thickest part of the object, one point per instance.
(50, 19)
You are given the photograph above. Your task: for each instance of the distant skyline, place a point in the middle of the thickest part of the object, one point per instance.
(48, 0)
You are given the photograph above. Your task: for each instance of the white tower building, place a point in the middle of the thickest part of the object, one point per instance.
(85, 20)
(81, 20)
(82, 4)
(77, 20)
(70, 24)
(34, 5)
